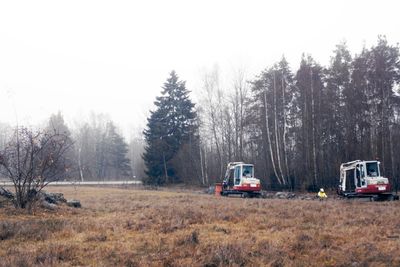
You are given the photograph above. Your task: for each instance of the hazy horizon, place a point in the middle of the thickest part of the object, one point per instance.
(113, 57)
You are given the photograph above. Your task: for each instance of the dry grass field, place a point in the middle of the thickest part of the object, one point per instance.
(131, 227)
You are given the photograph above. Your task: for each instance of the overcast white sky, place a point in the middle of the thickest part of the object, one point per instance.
(113, 56)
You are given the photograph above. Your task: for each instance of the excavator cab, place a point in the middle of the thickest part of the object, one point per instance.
(239, 179)
(363, 179)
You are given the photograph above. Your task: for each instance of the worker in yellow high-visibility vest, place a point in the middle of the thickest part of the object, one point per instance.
(322, 195)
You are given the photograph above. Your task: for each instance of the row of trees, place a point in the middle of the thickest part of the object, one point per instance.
(97, 151)
(296, 127)
(101, 151)
(300, 126)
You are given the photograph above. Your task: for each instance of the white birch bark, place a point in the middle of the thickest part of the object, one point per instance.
(269, 138)
(313, 127)
(285, 127)
(277, 146)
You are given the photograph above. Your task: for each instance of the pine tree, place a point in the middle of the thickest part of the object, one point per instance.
(337, 126)
(170, 129)
(118, 163)
(356, 103)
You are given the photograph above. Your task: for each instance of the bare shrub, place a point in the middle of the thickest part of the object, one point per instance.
(31, 160)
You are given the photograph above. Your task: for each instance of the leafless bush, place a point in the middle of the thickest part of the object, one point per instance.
(31, 160)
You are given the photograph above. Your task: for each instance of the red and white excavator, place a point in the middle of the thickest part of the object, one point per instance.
(239, 180)
(363, 179)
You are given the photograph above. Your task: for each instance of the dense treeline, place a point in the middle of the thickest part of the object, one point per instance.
(297, 127)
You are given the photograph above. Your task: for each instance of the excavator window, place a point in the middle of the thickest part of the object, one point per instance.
(230, 177)
(237, 175)
(362, 175)
(372, 169)
(247, 171)
(358, 175)
(350, 182)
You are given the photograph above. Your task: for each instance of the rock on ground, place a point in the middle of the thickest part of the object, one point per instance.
(54, 198)
(49, 206)
(285, 195)
(74, 203)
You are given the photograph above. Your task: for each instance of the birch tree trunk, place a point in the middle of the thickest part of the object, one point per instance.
(277, 146)
(269, 138)
(313, 128)
(285, 127)
(201, 166)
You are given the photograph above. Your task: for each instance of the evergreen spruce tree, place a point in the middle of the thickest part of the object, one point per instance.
(118, 149)
(169, 129)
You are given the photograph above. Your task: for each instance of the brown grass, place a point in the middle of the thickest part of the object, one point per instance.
(129, 227)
